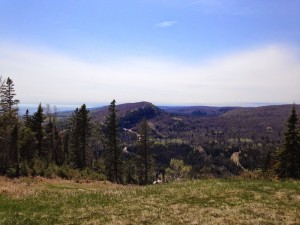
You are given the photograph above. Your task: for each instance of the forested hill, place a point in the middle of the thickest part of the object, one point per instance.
(197, 110)
(123, 109)
(248, 122)
(130, 113)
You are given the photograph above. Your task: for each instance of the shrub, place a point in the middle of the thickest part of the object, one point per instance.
(25, 170)
(38, 168)
(178, 169)
(51, 171)
(11, 172)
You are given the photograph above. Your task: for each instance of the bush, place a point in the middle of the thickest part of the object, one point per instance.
(25, 169)
(38, 168)
(178, 169)
(66, 172)
(11, 172)
(51, 171)
(92, 175)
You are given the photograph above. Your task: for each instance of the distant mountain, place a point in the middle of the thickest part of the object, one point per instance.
(258, 124)
(197, 110)
(129, 113)
(197, 124)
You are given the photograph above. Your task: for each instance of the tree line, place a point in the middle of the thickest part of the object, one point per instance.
(32, 144)
(42, 144)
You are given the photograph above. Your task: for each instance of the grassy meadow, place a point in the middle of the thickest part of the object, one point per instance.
(208, 201)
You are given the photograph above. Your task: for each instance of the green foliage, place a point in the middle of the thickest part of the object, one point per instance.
(288, 165)
(145, 159)
(138, 115)
(37, 127)
(178, 170)
(112, 149)
(7, 102)
(27, 144)
(51, 171)
(67, 172)
(39, 167)
(80, 131)
(11, 172)
(25, 170)
(8, 126)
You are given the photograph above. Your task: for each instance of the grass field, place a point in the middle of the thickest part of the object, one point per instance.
(212, 201)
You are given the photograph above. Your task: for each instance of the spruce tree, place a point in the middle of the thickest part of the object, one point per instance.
(80, 132)
(288, 156)
(8, 120)
(112, 148)
(83, 126)
(37, 127)
(145, 156)
(27, 119)
(7, 102)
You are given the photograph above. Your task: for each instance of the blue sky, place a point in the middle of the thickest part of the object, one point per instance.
(178, 52)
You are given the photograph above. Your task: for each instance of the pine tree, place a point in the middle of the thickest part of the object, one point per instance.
(288, 156)
(112, 149)
(145, 156)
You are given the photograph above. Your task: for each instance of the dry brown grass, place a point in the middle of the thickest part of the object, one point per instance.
(56, 201)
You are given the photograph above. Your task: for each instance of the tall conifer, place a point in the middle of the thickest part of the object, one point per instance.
(288, 156)
(112, 148)
(37, 127)
(145, 156)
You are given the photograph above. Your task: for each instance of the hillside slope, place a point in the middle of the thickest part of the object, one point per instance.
(214, 201)
(129, 113)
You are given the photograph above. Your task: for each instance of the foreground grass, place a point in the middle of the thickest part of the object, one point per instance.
(216, 201)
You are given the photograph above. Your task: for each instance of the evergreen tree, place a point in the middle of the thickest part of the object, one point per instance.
(49, 142)
(288, 156)
(27, 144)
(81, 126)
(112, 149)
(27, 119)
(37, 127)
(58, 155)
(14, 157)
(8, 120)
(145, 156)
(73, 137)
(7, 102)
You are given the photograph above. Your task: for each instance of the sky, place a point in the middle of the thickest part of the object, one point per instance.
(168, 52)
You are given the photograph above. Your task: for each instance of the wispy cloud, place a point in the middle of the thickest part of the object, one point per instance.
(266, 74)
(167, 23)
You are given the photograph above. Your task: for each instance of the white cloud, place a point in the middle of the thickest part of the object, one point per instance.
(267, 74)
(165, 24)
